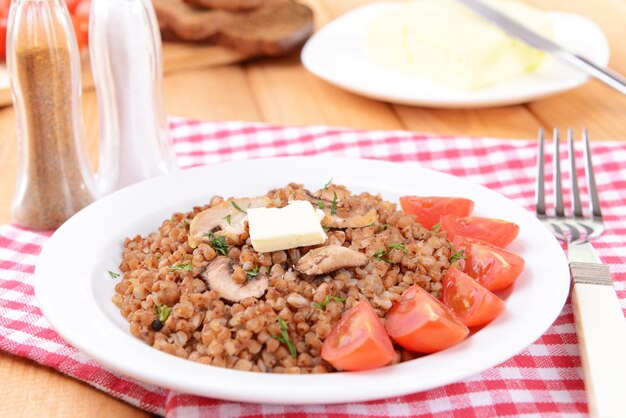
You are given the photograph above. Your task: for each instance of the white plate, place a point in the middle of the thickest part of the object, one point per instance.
(74, 289)
(337, 54)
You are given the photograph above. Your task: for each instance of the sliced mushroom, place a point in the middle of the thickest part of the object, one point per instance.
(358, 217)
(328, 193)
(224, 219)
(343, 217)
(218, 275)
(330, 258)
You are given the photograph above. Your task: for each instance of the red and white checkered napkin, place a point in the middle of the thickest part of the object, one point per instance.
(545, 378)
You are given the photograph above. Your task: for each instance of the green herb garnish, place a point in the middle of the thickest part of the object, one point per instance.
(182, 266)
(183, 224)
(398, 246)
(333, 206)
(326, 228)
(113, 274)
(436, 228)
(227, 217)
(320, 204)
(219, 244)
(236, 206)
(251, 274)
(328, 183)
(456, 255)
(322, 304)
(326, 301)
(382, 256)
(162, 312)
(285, 339)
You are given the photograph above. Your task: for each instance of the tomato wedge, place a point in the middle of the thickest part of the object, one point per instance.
(471, 302)
(358, 341)
(428, 209)
(495, 231)
(491, 266)
(419, 322)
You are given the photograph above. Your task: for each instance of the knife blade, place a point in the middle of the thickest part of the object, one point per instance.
(519, 31)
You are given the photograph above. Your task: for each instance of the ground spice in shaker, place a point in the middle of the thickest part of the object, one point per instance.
(54, 182)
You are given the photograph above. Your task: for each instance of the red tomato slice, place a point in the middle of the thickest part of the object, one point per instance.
(3, 38)
(471, 302)
(428, 209)
(495, 231)
(491, 266)
(421, 323)
(358, 341)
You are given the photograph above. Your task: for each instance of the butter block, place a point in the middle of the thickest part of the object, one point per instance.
(296, 225)
(444, 41)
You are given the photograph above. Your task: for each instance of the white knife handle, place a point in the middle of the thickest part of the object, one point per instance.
(601, 330)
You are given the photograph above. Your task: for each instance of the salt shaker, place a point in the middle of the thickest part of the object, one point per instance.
(53, 179)
(125, 52)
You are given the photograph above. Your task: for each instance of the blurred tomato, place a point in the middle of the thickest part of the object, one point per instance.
(80, 19)
(4, 7)
(71, 5)
(3, 38)
(82, 8)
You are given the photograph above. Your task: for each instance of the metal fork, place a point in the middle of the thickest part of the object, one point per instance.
(600, 323)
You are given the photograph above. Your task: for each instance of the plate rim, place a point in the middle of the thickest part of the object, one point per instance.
(298, 395)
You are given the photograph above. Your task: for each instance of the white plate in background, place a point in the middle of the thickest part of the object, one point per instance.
(74, 290)
(337, 54)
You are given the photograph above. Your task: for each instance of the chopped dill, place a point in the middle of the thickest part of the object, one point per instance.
(182, 266)
(456, 255)
(219, 244)
(285, 339)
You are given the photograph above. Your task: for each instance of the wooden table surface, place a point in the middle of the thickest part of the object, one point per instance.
(280, 91)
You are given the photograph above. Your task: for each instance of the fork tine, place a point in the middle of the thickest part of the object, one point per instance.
(591, 179)
(540, 189)
(559, 209)
(578, 210)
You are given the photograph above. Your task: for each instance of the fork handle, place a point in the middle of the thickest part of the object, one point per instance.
(601, 330)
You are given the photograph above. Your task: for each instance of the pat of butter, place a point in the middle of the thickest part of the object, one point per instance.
(295, 225)
(446, 42)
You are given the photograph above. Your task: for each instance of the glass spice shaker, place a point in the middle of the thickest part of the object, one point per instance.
(53, 180)
(125, 52)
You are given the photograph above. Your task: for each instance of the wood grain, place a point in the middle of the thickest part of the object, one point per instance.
(281, 91)
(34, 391)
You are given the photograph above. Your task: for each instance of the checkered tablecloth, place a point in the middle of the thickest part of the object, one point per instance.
(544, 379)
